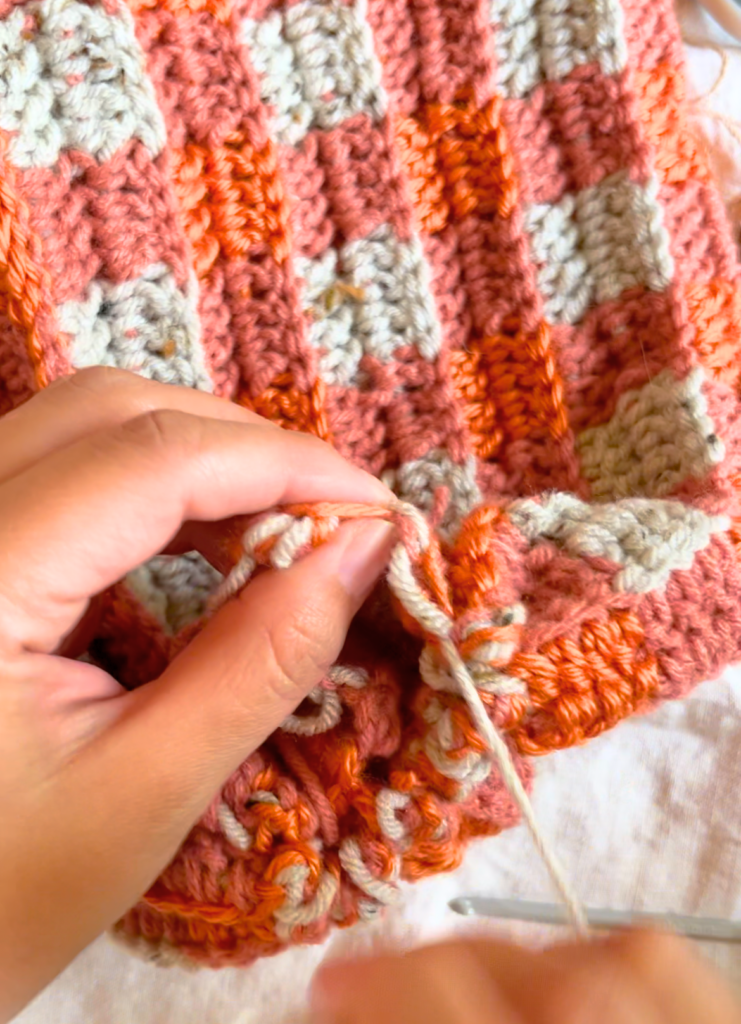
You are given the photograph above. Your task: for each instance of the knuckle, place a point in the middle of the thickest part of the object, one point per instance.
(301, 444)
(662, 952)
(582, 991)
(158, 438)
(94, 379)
(156, 429)
(441, 958)
(299, 650)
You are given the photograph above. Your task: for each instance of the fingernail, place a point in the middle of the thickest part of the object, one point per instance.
(365, 555)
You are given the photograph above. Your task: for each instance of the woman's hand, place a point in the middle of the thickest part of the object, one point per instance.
(630, 978)
(100, 785)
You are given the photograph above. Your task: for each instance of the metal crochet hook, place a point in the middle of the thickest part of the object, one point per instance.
(708, 929)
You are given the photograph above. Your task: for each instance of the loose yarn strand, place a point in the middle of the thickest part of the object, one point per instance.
(699, 104)
(500, 751)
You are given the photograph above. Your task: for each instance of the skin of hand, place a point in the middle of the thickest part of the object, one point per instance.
(633, 977)
(98, 473)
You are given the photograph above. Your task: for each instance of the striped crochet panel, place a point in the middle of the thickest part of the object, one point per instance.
(471, 243)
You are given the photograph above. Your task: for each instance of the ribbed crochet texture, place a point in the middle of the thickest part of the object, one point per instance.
(471, 243)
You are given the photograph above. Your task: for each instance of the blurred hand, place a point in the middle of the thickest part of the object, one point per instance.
(97, 474)
(631, 978)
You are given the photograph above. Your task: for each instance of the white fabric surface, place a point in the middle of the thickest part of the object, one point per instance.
(645, 817)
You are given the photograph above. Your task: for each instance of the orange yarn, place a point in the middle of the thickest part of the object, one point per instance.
(291, 408)
(234, 205)
(580, 687)
(510, 390)
(25, 286)
(232, 199)
(661, 98)
(219, 9)
(458, 163)
(715, 312)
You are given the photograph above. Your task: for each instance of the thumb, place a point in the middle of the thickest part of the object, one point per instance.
(247, 670)
(123, 804)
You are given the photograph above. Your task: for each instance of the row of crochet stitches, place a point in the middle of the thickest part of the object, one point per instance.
(473, 245)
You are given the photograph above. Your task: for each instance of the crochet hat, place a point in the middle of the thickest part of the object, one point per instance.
(473, 245)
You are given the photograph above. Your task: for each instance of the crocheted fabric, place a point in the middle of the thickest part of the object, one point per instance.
(471, 243)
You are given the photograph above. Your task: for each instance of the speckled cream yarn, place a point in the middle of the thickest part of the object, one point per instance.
(473, 245)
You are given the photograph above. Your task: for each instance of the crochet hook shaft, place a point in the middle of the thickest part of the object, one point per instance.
(709, 929)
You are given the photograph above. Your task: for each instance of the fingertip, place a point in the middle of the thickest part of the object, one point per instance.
(383, 494)
(365, 554)
(327, 473)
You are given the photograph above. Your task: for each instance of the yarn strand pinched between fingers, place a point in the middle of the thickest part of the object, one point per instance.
(291, 535)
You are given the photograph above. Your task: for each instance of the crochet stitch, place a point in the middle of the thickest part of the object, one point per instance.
(473, 245)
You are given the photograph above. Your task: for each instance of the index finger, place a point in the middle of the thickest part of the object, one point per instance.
(79, 520)
(92, 400)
